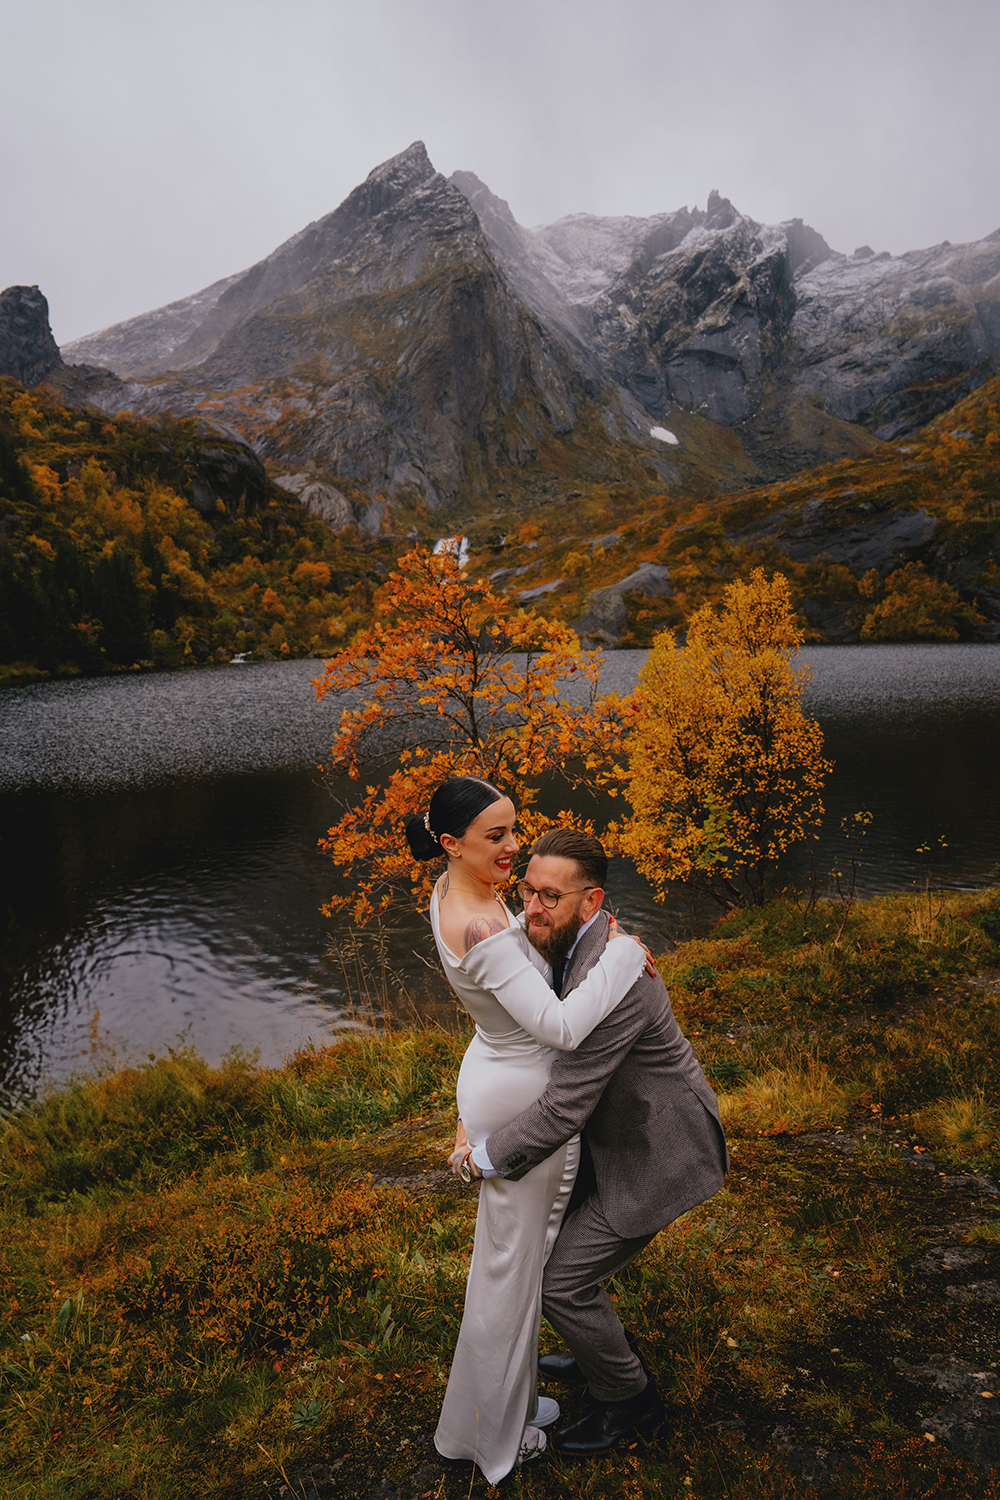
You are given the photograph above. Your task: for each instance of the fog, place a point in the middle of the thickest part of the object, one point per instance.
(149, 150)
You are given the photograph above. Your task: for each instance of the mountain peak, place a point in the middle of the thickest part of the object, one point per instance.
(418, 339)
(720, 213)
(407, 168)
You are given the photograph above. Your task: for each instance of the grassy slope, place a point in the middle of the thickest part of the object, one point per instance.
(218, 1275)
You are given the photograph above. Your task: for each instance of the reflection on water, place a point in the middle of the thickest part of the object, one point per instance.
(159, 862)
(182, 910)
(914, 734)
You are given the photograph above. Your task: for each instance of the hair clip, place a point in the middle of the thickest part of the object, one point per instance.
(427, 824)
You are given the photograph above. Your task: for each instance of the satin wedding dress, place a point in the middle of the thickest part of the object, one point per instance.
(521, 1024)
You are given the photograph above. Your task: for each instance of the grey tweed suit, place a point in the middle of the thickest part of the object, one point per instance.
(651, 1122)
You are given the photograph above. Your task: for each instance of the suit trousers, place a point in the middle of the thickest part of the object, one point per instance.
(574, 1301)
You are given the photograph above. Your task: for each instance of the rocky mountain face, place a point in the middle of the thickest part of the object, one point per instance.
(381, 350)
(890, 343)
(145, 344)
(28, 352)
(763, 330)
(418, 339)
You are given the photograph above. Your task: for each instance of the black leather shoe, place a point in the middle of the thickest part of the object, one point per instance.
(609, 1422)
(561, 1367)
(565, 1368)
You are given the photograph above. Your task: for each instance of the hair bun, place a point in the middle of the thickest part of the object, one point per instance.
(423, 844)
(457, 802)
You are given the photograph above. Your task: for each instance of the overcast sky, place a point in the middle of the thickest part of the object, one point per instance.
(149, 148)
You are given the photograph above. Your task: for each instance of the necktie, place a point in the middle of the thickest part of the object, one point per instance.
(558, 969)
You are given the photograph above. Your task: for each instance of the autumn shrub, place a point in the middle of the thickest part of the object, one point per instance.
(911, 605)
(963, 1127)
(787, 1100)
(724, 768)
(446, 681)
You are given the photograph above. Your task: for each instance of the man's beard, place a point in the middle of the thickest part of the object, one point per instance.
(553, 943)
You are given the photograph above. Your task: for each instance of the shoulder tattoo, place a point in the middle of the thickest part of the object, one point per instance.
(443, 888)
(482, 927)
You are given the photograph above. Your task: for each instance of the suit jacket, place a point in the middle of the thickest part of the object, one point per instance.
(635, 1088)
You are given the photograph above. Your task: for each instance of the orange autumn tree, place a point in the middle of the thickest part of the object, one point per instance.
(724, 768)
(449, 680)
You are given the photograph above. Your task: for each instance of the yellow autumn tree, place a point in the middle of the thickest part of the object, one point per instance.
(912, 605)
(448, 680)
(724, 768)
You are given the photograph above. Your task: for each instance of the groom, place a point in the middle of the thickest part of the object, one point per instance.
(653, 1145)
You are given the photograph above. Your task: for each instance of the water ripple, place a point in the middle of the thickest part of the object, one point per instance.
(160, 869)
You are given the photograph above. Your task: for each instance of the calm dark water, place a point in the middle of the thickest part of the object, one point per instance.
(160, 880)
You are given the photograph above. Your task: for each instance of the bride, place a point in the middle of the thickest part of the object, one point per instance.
(492, 1413)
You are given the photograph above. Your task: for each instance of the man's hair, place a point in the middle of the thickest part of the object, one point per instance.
(569, 843)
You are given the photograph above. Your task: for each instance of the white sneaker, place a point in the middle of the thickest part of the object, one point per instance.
(547, 1412)
(532, 1445)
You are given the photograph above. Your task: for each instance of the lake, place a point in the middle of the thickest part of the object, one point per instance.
(161, 882)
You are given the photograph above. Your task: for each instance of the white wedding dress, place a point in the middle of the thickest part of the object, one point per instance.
(520, 1026)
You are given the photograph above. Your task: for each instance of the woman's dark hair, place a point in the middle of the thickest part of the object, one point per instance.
(456, 803)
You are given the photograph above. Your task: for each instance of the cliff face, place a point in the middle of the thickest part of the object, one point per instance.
(383, 344)
(28, 352)
(418, 338)
(764, 330)
(890, 343)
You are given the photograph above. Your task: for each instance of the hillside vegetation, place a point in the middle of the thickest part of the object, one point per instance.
(584, 537)
(105, 561)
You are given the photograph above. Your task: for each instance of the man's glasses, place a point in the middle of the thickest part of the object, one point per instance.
(549, 899)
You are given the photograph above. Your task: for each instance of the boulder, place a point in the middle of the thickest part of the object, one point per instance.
(323, 501)
(605, 612)
(217, 466)
(527, 596)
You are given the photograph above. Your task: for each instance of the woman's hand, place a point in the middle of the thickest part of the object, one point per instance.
(461, 1147)
(615, 931)
(650, 961)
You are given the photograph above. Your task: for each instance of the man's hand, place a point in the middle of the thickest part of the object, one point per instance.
(462, 1154)
(461, 1148)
